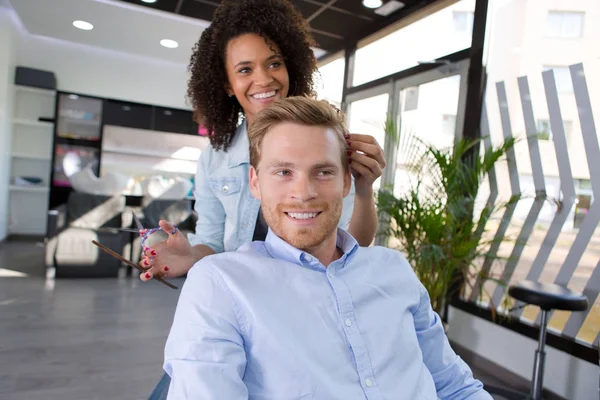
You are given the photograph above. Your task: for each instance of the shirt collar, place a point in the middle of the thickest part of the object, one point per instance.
(280, 249)
(239, 151)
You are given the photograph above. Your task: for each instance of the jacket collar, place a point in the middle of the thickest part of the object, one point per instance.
(239, 151)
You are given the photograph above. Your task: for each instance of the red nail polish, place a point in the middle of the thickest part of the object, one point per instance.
(166, 269)
(148, 276)
(349, 152)
(153, 252)
(146, 262)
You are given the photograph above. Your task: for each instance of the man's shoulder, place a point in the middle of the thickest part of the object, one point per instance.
(381, 252)
(384, 257)
(247, 257)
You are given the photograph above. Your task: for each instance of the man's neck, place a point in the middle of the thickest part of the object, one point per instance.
(327, 252)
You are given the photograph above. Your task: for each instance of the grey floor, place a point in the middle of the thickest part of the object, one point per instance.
(81, 339)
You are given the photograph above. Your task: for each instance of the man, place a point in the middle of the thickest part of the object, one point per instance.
(308, 314)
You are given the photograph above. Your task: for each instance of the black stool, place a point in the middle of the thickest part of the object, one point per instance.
(548, 297)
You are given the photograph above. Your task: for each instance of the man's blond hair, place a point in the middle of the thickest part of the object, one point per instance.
(298, 110)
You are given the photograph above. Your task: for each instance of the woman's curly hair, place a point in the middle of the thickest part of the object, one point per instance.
(276, 20)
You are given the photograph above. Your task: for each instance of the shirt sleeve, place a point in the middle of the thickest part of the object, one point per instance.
(347, 208)
(204, 354)
(452, 376)
(210, 225)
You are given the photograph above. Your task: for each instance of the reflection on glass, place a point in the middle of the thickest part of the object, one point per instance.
(427, 113)
(79, 117)
(367, 117)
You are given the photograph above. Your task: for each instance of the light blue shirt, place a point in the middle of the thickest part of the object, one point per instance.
(270, 322)
(226, 209)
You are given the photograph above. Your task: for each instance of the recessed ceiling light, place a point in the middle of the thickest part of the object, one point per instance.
(171, 44)
(149, 1)
(86, 26)
(372, 3)
(389, 7)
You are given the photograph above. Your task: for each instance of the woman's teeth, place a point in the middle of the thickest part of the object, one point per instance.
(302, 215)
(265, 95)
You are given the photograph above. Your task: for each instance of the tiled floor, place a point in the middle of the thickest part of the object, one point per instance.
(80, 339)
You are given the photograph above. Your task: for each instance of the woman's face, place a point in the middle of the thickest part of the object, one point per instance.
(256, 72)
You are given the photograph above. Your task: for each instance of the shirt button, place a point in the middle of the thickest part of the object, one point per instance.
(307, 258)
(348, 322)
(226, 188)
(368, 382)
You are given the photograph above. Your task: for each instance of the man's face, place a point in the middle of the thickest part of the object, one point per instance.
(301, 183)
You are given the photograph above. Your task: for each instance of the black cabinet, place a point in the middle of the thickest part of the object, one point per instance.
(130, 115)
(172, 120)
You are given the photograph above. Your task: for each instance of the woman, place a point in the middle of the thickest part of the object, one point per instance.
(253, 53)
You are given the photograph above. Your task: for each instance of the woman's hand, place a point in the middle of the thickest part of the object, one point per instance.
(366, 161)
(170, 258)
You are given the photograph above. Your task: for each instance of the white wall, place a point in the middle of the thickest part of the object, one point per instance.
(565, 375)
(7, 67)
(106, 73)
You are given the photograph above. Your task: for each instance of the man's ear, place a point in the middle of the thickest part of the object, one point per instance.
(347, 182)
(254, 187)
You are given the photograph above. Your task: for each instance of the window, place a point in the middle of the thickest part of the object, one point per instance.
(330, 81)
(564, 25)
(448, 125)
(562, 77)
(463, 22)
(545, 133)
(433, 36)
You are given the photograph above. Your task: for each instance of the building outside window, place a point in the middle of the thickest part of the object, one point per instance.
(562, 77)
(564, 24)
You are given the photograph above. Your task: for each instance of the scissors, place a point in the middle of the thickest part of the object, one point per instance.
(144, 233)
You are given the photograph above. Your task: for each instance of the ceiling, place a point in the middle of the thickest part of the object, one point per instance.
(331, 21)
(136, 27)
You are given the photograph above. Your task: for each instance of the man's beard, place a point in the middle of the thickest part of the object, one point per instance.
(308, 237)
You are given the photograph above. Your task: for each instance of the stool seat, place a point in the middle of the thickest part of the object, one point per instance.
(548, 296)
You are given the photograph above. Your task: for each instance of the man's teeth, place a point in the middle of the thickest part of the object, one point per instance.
(302, 215)
(265, 95)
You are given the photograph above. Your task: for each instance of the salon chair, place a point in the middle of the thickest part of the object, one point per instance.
(547, 297)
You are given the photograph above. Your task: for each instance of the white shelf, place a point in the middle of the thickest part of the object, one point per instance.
(31, 157)
(36, 91)
(33, 189)
(35, 124)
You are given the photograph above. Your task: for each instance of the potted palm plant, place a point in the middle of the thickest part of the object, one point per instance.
(435, 222)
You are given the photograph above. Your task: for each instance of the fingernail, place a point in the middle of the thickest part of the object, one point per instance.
(146, 248)
(153, 252)
(174, 231)
(349, 152)
(148, 276)
(146, 262)
(349, 142)
(346, 136)
(166, 269)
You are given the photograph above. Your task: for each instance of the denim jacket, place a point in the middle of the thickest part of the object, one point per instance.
(227, 211)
